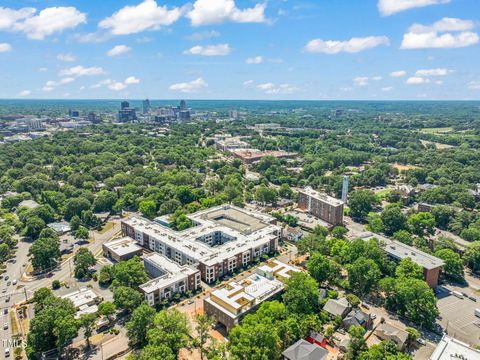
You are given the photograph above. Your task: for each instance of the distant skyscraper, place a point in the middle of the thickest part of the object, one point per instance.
(146, 106)
(345, 189)
(233, 114)
(183, 105)
(126, 114)
(73, 113)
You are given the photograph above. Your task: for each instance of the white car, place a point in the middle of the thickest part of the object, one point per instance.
(5, 326)
(7, 352)
(421, 341)
(14, 282)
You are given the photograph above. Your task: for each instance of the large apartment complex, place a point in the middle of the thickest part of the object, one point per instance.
(222, 239)
(231, 302)
(320, 205)
(168, 278)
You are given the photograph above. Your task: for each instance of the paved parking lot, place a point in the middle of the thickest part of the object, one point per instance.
(457, 315)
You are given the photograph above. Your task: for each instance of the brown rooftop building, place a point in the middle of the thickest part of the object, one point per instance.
(250, 156)
(321, 206)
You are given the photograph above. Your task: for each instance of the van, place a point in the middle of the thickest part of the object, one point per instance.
(458, 294)
(477, 312)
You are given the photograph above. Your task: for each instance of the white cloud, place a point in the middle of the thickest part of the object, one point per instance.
(416, 80)
(24, 93)
(147, 15)
(52, 84)
(8, 17)
(474, 85)
(248, 83)
(82, 71)
(209, 50)
(189, 87)
(117, 86)
(272, 89)
(204, 35)
(387, 89)
(399, 73)
(255, 60)
(118, 50)
(206, 12)
(4, 47)
(390, 7)
(132, 80)
(360, 81)
(443, 34)
(444, 25)
(433, 72)
(42, 69)
(353, 45)
(95, 37)
(49, 21)
(101, 83)
(439, 82)
(377, 78)
(66, 57)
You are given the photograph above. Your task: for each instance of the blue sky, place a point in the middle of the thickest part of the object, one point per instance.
(240, 49)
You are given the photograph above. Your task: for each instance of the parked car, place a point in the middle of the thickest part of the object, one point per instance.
(5, 326)
(7, 352)
(421, 341)
(14, 282)
(472, 298)
(6, 277)
(7, 299)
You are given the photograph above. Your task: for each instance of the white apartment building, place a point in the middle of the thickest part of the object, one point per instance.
(169, 278)
(222, 239)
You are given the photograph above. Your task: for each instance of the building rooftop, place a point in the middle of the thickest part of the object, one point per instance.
(172, 272)
(236, 298)
(321, 196)
(122, 246)
(254, 154)
(391, 331)
(400, 251)
(245, 229)
(303, 350)
(277, 269)
(336, 307)
(453, 349)
(82, 298)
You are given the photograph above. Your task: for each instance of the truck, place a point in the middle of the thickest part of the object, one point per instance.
(477, 312)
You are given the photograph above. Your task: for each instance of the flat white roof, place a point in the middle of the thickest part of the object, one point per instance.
(122, 246)
(251, 290)
(449, 348)
(81, 297)
(173, 272)
(321, 196)
(246, 228)
(399, 250)
(278, 268)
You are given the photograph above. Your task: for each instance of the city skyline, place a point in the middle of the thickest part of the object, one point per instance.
(225, 49)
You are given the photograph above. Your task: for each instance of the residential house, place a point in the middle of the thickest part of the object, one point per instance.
(303, 350)
(337, 307)
(387, 331)
(357, 317)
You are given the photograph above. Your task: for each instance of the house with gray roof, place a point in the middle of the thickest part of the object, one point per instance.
(387, 331)
(337, 307)
(357, 317)
(303, 350)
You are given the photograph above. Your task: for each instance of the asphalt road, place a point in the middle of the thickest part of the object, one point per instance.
(23, 289)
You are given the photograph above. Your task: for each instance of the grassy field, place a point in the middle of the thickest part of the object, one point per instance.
(439, 146)
(437, 130)
(107, 227)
